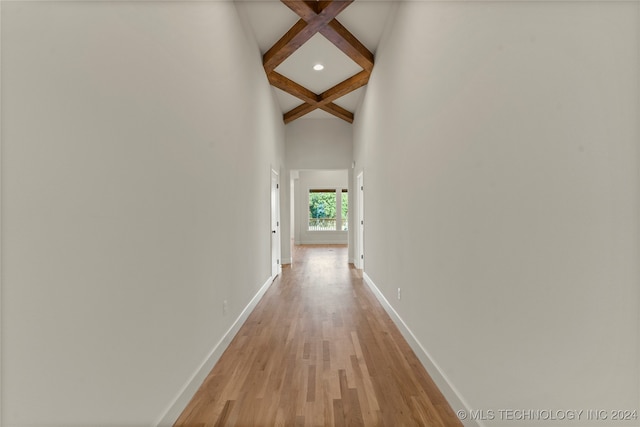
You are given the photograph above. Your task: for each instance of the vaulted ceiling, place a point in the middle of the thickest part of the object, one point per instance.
(295, 35)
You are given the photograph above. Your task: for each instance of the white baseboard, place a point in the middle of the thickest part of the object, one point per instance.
(183, 398)
(453, 396)
(324, 242)
(286, 261)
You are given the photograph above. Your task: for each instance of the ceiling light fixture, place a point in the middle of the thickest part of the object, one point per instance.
(318, 67)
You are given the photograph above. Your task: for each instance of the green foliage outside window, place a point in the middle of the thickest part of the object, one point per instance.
(345, 204)
(323, 210)
(322, 205)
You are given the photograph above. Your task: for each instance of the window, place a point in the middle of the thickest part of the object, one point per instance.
(328, 209)
(345, 210)
(322, 210)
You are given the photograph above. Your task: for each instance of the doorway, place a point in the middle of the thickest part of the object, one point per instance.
(360, 234)
(275, 224)
(320, 208)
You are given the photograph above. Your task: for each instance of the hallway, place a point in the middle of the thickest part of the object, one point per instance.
(318, 350)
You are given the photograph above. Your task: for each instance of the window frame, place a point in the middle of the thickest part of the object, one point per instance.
(339, 219)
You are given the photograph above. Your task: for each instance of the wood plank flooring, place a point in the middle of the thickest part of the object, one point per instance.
(318, 350)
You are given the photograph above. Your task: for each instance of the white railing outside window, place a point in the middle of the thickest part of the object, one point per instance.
(322, 224)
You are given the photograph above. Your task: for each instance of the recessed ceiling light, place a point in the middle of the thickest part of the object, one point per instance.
(318, 67)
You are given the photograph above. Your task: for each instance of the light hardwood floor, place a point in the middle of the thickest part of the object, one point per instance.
(318, 350)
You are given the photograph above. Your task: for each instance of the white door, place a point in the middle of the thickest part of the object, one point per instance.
(275, 224)
(360, 234)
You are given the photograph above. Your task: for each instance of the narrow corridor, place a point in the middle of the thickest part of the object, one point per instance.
(318, 350)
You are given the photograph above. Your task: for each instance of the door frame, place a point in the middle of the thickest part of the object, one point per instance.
(274, 225)
(360, 228)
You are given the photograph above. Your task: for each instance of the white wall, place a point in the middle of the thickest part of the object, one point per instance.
(316, 144)
(319, 144)
(317, 179)
(505, 136)
(138, 139)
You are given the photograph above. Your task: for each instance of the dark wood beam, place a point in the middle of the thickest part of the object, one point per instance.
(318, 16)
(330, 108)
(338, 111)
(289, 43)
(302, 31)
(334, 31)
(347, 86)
(298, 112)
(329, 9)
(306, 10)
(313, 101)
(305, 108)
(337, 34)
(292, 88)
(317, 11)
(330, 95)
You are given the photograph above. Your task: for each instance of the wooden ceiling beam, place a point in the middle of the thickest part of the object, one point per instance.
(313, 101)
(303, 30)
(320, 12)
(342, 38)
(306, 108)
(323, 101)
(289, 43)
(307, 10)
(333, 30)
(347, 86)
(292, 88)
(318, 16)
(298, 112)
(330, 95)
(329, 9)
(338, 111)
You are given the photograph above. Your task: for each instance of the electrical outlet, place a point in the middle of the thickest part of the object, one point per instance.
(225, 306)
(399, 294)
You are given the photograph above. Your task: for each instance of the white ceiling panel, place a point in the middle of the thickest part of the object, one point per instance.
(287, 102)
(318, 114)
(366, 20)
(350, 101)
(337, 66)
(269, 20)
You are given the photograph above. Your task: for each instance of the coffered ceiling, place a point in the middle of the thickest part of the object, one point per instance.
(295, 35)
